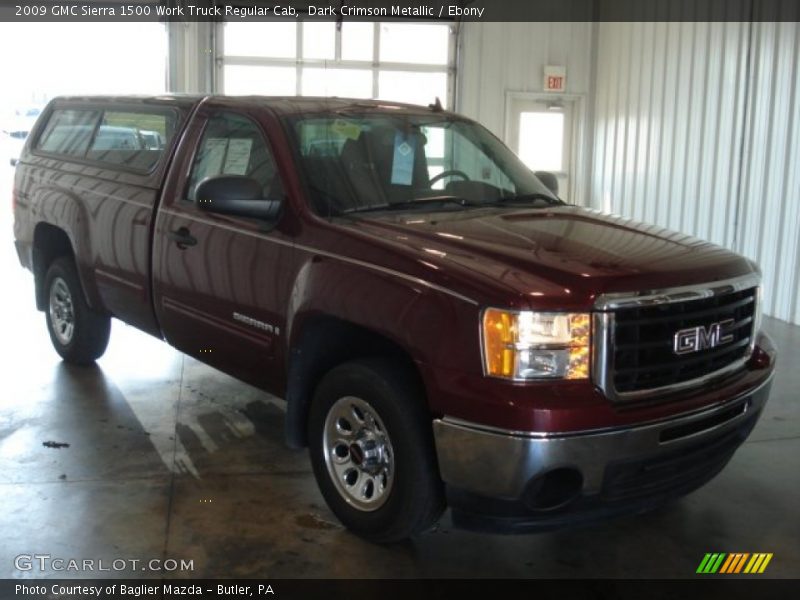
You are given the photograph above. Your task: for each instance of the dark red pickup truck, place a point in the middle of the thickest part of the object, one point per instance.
(444, 329)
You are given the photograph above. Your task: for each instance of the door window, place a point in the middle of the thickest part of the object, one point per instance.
(234, 145)
(541, 134)
(541, 140)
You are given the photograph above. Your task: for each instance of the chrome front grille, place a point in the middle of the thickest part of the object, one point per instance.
(660, 342)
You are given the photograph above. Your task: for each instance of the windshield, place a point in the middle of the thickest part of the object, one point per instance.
(377, 161)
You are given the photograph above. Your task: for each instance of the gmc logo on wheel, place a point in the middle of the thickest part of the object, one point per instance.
(694, 339)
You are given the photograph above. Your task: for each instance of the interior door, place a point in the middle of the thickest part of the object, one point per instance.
(540, 133)
(220, 291)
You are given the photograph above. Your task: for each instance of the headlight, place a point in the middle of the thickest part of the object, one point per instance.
(536, 345)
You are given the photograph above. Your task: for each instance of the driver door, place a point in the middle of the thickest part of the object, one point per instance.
(219, 290)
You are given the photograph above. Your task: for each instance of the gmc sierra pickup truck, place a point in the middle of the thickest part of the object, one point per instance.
(444, 329)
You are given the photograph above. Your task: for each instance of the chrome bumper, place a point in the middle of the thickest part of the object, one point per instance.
(500, 464)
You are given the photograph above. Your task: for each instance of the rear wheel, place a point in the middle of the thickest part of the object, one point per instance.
(372, 451)
(78, 333)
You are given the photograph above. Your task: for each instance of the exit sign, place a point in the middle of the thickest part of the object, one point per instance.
(555, 79)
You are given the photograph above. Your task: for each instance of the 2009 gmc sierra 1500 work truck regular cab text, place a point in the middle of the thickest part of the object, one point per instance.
(444, 329)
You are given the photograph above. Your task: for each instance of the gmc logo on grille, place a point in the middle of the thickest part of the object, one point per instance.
(694, 339)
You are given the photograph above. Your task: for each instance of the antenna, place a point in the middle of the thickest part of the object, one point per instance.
(436, 106)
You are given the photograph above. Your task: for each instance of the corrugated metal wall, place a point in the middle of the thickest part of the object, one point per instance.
(696, 128)
(769, 216)
(496, 58)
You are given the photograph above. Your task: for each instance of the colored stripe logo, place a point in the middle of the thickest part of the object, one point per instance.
(734, 563)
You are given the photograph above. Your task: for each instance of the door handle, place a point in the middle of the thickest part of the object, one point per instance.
(182, 238)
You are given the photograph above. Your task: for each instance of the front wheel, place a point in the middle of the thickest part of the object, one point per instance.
(78, 333)
(372, 451)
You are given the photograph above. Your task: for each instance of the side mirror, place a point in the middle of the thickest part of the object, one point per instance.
(549, 180)
(235, 195)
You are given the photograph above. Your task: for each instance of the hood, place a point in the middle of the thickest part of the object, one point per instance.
(561, 256)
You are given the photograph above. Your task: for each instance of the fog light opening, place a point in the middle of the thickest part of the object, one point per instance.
(554, 489)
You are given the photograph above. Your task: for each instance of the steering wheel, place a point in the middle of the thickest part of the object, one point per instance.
(449, 173)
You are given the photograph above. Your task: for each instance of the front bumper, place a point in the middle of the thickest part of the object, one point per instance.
(526, 480)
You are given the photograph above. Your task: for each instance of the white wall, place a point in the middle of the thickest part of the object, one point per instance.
(769, 216)
(696, 128)
(669, 107)
(495, 58)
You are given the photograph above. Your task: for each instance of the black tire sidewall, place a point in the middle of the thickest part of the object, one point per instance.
(416, 489)
(91, 330)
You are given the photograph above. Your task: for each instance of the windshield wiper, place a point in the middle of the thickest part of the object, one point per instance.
(393, 206)
(526, 198)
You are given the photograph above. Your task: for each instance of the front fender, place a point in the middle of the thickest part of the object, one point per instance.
(336, 307)
(432, 326)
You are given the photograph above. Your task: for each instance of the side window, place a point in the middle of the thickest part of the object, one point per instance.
(233, 145)
(132, 139)
(68, 132)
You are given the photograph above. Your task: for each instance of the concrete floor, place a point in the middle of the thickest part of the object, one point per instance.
(169, 458)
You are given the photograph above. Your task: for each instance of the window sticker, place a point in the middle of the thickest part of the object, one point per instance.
(213, 154)
(403, 161)
(237, 160)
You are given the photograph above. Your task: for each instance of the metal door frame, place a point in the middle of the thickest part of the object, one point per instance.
(578, 192)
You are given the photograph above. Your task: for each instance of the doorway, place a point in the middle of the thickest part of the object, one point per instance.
(544, 133)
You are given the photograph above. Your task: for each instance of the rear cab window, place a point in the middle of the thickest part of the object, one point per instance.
(135, 139)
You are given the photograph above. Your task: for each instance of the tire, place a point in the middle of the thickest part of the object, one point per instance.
(78, 333)
(390, 443)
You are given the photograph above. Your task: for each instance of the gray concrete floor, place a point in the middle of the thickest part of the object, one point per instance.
(168, 458)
